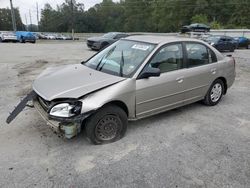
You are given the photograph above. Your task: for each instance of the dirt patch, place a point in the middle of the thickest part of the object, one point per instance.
(29, 67)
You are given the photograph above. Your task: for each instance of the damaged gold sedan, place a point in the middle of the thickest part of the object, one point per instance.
(131, 79)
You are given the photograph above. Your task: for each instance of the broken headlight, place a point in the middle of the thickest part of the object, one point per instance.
(66, 109)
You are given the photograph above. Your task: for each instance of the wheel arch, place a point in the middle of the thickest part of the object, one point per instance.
(120, 104)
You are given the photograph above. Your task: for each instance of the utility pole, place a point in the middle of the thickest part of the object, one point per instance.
(13, 16)
(30, 21)
(37, 16)
(72, 19)
(26, 22)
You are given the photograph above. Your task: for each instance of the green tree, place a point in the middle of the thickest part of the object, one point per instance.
(199, 18)
(6, 21)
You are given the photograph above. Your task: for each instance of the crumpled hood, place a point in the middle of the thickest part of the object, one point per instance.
(71, 81)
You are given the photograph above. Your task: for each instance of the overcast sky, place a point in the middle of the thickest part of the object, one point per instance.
(26, 5)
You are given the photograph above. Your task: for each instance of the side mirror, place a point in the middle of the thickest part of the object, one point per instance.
(156, 64)
(150, 72)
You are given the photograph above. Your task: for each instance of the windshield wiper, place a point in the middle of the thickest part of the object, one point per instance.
(121, 65)
(97, 66)
(105, 56)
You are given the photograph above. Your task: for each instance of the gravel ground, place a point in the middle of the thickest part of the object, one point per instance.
(192, 146)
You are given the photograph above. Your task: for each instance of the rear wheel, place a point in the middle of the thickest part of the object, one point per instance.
(107, 125)
(1, 40)
(214, 93)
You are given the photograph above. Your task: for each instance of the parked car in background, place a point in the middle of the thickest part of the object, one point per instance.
(242, 42)
(25, 36)
(60, 37)
(222, 43)
(98, 43)
(6, 36)
(63, 37)
(50, 36)
(41, 36)
(36, 35)
(196, 27)
(133, 78)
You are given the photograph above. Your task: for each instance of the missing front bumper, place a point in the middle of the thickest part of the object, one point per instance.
(65, 129)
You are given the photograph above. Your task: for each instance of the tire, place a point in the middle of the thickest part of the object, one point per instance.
(21, 40)
(214, 93)
(232, 49)
(1, 40)
(107, 125)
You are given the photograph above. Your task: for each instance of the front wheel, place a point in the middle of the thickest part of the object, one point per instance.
(21, 40)
(214, 93)
(107, 125)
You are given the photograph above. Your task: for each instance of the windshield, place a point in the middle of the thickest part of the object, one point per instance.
(109, 35)
(121, 58)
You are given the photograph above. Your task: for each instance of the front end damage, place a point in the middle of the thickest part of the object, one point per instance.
(67, 127)
(64, 127)
(66, 103)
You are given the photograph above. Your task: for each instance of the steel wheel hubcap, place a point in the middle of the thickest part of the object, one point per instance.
(107, 128)
(216, 92)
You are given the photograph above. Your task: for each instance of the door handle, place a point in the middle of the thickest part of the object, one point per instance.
(213, 71)
(180, 80)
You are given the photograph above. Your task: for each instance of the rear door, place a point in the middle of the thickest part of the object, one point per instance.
(201, 71)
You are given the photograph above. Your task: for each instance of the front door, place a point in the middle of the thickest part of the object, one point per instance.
(157, 94)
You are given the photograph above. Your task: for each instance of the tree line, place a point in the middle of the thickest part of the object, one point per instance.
(6, 22)
(144, 15)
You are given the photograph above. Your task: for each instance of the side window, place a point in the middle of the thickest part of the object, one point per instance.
(169, 58)
(197, 54)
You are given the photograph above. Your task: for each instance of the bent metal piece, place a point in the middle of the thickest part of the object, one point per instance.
(20, 106)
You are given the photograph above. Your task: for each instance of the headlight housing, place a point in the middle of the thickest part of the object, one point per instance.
(66, 109)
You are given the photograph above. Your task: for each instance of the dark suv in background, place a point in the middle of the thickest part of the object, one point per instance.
(196, 27)
(98, 43)
(222, 43)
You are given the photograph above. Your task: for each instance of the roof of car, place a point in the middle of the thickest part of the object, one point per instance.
(155, 39)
